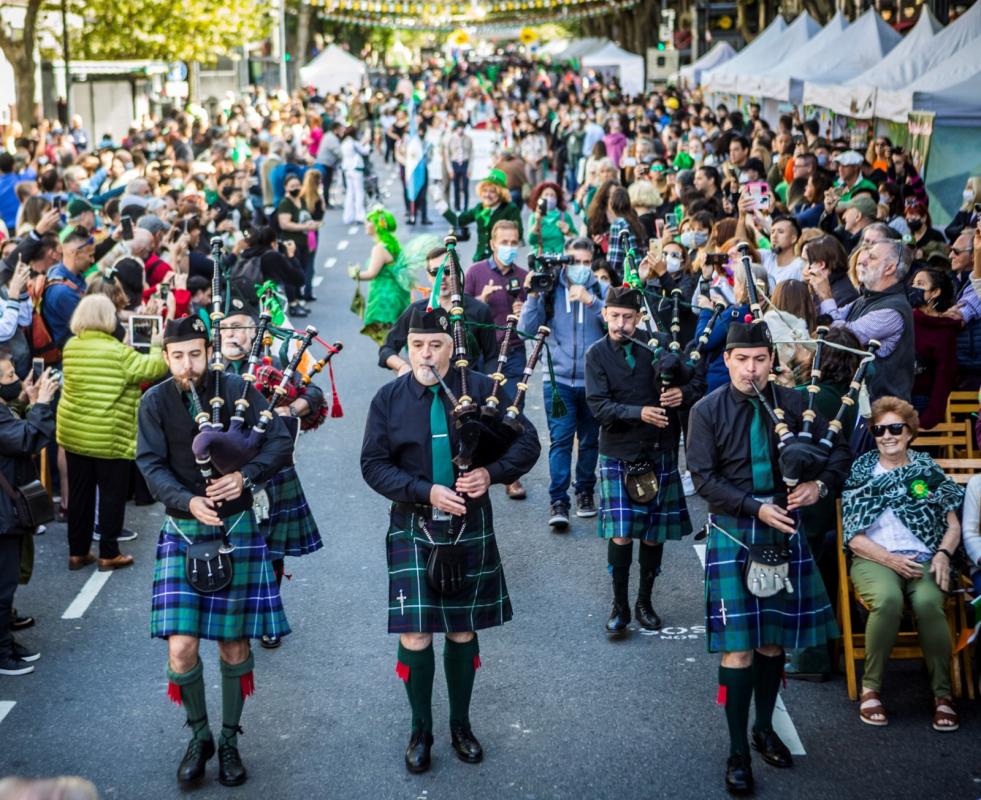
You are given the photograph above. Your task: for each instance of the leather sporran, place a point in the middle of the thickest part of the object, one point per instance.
(768, 570)
(33, 505)
(641, 482)
(207, 569)
(446, 570)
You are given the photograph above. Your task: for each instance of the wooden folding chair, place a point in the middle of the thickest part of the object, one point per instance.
(907, 642)
(960, 470)
(950, 436)
(963, 406)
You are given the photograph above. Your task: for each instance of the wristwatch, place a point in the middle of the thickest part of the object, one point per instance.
(247, 483)
(822, 489)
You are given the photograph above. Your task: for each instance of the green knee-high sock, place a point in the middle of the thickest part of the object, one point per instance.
(237, 683)
(460, 662)
(418, 668)
(735, 692)
(187, 689)
(767, 672)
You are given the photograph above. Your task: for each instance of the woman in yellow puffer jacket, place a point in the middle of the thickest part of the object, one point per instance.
(97, 427)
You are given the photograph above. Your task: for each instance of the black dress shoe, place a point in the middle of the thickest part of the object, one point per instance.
(774, 752)
(417, 754)
(231, 771)
(195, 759)
(466, 745)
(19, 623)
(311, 298)
(618, 621)
(646, 616)
(739, 775)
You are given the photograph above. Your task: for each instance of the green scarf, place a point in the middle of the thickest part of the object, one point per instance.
(918, 493)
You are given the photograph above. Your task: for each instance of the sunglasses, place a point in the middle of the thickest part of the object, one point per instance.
(432, 272)
(894, 428)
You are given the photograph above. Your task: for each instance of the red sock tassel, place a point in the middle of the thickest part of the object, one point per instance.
(402, 670)
(174, 693)
(247, 682)
(335, 401)
(476, 662)
(720, 698)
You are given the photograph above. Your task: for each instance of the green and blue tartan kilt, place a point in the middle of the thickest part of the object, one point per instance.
(248, 608)
(738, 620)
(620, 517)
(413, 607)
(291, 529)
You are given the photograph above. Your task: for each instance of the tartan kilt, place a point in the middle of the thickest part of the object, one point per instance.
(249, 607)
(801, 619)
(413, 607)
(620, 517)
(291, 529)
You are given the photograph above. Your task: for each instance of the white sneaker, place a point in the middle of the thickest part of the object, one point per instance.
(687, 484)
(125, 535)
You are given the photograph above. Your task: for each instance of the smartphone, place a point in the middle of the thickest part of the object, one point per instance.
(37, 367)
(716, 259)
(659, 227)
(759, 191)
(142, 328)
(57, 202)
(164, 290)
(126, 223)
(671, 220)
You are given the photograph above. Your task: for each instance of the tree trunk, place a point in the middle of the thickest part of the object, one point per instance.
(20, 53)
(303, 34)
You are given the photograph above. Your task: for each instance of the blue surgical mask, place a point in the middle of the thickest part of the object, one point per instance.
(579, 274)
(551, 203)
(693, 239)
(506, 254)
(822, 159)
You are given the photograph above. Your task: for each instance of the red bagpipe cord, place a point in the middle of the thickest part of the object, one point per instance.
(174, 693)
(720, 698)
(476, 662)
(247, 682)
(335, 401)
(402, 670)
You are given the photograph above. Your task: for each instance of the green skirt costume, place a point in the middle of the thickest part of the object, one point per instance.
(387, 299)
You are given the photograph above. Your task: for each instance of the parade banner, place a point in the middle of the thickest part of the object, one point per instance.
(920, 134)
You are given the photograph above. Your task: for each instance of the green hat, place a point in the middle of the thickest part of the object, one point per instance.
(78, 205)
(497, 177)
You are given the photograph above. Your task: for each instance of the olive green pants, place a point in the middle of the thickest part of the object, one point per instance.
(883, 591)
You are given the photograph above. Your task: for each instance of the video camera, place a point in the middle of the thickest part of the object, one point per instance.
(545, 271)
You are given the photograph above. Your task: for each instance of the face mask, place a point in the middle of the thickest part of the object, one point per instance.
(506, 254)
(578, 274)
(10, 391)
(294, 193)
(551, 203)
(915, 223)
(968, 196)
(694, 239)
(673, 262)
(822, 159)
(884, 201)
(917, 297)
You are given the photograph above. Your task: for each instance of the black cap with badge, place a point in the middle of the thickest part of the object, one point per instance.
(184, 329)
(748, 335)
(429, 321)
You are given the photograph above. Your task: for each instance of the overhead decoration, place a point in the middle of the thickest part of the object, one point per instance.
(528, 36)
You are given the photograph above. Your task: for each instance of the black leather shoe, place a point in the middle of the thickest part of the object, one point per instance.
(646, 616)
(774, 752)
(618, 621)
(417, 754)
(466, 745)
(739, 775)
(195, 759)
(231, 771)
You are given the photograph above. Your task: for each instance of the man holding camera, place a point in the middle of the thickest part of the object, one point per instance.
(636, 396)
(500, 283)
(564, 294)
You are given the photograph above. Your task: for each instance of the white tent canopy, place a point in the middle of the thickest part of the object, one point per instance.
(718, 55)
(579, 47)
(955, 105)
(903, 64)
(332, 70)
(629, 67)
(724, 77)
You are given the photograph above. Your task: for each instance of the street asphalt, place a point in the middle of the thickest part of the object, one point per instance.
(561, 711)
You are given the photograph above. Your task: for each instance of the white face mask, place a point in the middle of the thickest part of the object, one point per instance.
(673, 262)
(968, 196)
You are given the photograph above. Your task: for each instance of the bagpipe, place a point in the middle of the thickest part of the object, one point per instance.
(484, 433)
(800, 457)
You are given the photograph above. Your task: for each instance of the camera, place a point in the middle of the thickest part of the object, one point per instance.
(545, 271)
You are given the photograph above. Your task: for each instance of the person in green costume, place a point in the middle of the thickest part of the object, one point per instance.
(556, 222)
(495, 205)
(390, 275)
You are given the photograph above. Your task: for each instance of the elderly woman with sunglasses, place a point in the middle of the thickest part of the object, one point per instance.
(900, 522)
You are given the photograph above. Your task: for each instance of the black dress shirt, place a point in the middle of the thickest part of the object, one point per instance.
(617, 393)
(396, 455)
(482, 357)
(166, 430)
(717, 448)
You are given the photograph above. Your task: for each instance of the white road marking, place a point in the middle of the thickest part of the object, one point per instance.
(342, 244)
(330, 262)
(87, 594)
(317, 280)
(782, 723)
(6, 706)
(352, 230)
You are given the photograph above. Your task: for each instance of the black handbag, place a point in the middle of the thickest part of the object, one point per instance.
(31, 502)
(446, 571)
(208, 570)
(641, 482)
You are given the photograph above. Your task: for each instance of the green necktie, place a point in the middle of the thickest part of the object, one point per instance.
(759, 447)
(628, 353)
(443, 472)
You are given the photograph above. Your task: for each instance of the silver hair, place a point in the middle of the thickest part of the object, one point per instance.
(900, 254)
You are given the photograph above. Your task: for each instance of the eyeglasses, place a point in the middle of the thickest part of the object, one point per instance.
(247, 328)
(894, 428)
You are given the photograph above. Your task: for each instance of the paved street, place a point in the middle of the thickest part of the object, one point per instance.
(561, 712)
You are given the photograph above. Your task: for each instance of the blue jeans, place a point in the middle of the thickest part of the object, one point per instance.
(562, 432)
(514, 369)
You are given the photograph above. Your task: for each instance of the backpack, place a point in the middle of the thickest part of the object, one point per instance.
(245, 275)
(39, 335)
